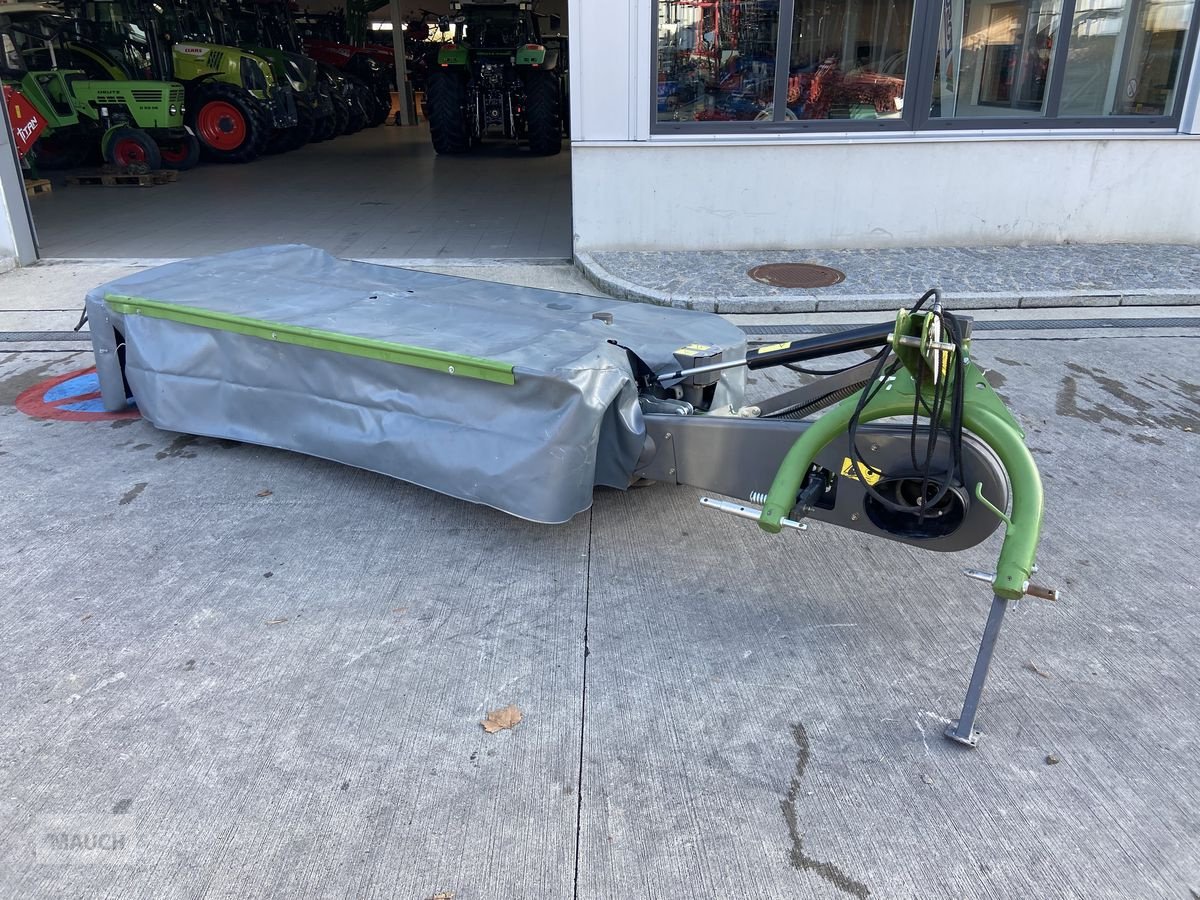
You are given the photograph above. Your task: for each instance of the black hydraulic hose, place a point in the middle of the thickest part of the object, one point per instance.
(797, 351)
(823, 345)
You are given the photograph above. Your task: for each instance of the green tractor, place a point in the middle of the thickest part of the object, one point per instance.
(497, 78)
(264, 28)
(131, 122)
(236, 101)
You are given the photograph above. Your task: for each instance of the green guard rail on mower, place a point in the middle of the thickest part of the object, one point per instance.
(984, 413)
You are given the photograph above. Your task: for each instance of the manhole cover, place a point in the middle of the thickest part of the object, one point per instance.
(796, 275)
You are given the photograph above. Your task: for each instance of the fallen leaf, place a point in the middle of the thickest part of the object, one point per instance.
(444, 895)
(85, 617)
(264, 493)
(1036, 671)
(499, 719)
(1052, 760)
(276, 621)
(925, 778)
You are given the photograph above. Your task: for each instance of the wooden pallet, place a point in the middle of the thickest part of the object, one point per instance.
(35, 186)
(112, 179)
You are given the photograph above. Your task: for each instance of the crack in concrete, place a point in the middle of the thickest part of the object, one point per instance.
(797, 857)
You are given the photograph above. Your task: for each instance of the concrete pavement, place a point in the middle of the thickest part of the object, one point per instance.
(279, 694)
(1025, 277)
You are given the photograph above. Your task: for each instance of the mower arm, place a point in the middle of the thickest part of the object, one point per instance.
(985, 415)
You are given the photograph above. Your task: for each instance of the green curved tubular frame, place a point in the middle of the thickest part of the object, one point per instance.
(984, 413)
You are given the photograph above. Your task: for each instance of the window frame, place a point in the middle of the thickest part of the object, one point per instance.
(919, 72)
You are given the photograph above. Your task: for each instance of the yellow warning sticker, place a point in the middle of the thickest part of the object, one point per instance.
(868, 474)
(693, 350)
(771, 348)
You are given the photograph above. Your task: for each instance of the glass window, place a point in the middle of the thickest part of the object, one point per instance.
(848, 59)
(1124, 57)
(10, 58)
(994, 59)
(983, 63)
(716, 60)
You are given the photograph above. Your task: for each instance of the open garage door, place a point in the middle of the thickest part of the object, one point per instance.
(294, 118)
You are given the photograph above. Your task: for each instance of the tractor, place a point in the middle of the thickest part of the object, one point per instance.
(372, 70)
(497, 78)
(131, 122)
(348, 103)
(264, 28)
(236, 101)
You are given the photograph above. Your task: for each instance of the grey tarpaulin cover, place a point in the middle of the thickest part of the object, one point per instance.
(507, 396)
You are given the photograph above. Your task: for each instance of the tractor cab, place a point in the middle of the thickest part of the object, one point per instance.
(495, 26)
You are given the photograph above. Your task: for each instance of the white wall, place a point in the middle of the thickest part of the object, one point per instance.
(610, 68)
(16, 235)
(8, 242)
(861, 194)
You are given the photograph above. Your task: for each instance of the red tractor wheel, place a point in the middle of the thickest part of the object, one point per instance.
(180, 155)
(229, 123)
(132, 148)
(221, 125)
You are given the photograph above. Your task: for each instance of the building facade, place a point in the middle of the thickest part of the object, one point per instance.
(901, 123)
(781, 124)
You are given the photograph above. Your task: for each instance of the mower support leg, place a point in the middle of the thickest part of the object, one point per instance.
(963, 731)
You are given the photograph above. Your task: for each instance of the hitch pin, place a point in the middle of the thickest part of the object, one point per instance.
(747, 512)
(1030, 589)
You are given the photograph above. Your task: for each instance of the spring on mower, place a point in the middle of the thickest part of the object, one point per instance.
(803, 410)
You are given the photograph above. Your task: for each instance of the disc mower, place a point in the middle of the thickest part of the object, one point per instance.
(525, 400)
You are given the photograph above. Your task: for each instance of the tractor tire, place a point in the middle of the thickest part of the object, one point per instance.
(445, 109)
(180, 155)
(543, 116)
(360, 104)
(230, 124)
(284, 140)
(341, 116)
(325, 127)
(383, 105)
(59, 150)
(370, 105)
(131, 147)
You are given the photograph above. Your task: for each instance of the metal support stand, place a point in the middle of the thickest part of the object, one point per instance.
(963, 731)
